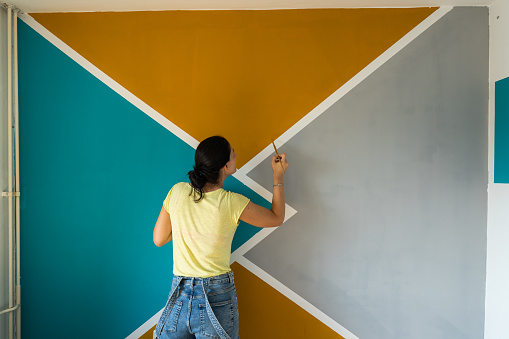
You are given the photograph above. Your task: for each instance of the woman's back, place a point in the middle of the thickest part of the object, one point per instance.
(201, 219)
(203, 230)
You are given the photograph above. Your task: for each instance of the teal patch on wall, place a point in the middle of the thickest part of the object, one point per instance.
(94, 173)
(244, 231)
(501, 171)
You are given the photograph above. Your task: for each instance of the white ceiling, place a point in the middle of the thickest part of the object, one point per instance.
(34, 6)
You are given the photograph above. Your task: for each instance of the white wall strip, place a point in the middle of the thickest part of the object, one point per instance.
(497, 275)
(227, 5)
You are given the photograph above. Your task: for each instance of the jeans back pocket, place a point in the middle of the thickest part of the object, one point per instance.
(224, 313)
(171, 322)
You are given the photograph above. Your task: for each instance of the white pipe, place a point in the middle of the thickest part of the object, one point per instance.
(13, 189)
(18, 198)
(9, 160)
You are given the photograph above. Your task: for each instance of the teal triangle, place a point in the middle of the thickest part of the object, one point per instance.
(94, 173)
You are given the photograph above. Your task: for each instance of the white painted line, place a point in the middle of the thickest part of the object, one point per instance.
(109, 81)
(289, 212)
(255, 239)
(324, 318)
(347, 87)
(146, 326)
(260, 190)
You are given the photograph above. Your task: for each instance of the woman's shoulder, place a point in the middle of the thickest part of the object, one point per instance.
(235, 196)
(180, 186)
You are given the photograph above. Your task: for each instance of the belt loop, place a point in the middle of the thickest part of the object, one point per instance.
(230, 275)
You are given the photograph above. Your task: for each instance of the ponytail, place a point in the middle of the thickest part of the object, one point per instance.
(211, 155)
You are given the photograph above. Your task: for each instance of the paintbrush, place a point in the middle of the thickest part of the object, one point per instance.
(275, 149)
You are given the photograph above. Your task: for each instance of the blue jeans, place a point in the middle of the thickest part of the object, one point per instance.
(192, 313)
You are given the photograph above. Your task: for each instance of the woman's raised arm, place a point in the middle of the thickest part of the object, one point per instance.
(257, 215)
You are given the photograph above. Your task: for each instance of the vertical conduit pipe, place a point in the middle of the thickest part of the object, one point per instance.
(9, 161)
(18, 198)
(13, 188)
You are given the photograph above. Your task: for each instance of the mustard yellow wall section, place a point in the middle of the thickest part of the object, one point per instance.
(248, 75)
(149, 334)
(266, 313)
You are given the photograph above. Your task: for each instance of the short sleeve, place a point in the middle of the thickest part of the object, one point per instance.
(238, 203)
(166, 202)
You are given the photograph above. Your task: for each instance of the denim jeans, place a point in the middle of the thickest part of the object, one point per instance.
(192, 313)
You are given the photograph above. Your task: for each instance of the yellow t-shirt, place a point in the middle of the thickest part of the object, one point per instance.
(203, 232)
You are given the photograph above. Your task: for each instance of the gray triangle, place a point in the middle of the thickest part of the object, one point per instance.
(390, 188)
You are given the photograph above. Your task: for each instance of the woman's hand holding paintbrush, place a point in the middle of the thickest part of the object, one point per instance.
(279, 164)
(279, 167)
(254, 214)
(278, 171)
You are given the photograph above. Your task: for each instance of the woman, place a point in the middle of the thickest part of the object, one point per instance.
(201, 218)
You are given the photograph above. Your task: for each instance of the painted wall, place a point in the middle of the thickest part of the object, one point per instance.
(383, 114)
(91, 246)
(212, 63)
(390, 188)
(497, 277)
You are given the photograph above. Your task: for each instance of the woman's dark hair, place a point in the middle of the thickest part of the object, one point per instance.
(210, 156)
